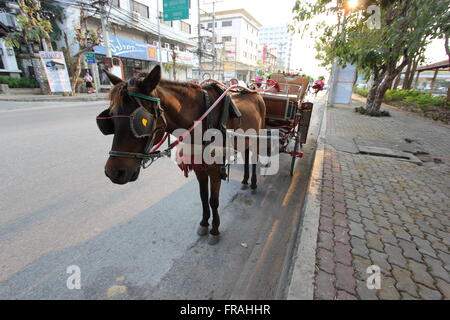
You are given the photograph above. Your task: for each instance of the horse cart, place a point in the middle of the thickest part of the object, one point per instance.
(287, 111)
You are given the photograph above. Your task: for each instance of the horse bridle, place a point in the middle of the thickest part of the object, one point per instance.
(147, 157)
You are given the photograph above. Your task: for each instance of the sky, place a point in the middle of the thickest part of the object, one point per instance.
(279, 12)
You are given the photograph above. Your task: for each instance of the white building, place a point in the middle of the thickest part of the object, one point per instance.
(8, 62)
(237, 31)
(133, 30)
(278, 38)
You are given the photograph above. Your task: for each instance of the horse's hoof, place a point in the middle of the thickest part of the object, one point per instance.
(254, 186)
(244, 186)
(202, 231)
(213, 239)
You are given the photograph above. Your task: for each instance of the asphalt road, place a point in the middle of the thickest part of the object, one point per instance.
(137, 241)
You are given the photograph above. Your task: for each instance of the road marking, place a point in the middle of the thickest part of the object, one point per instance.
(68, 105)
(45, 126)
(292, 187)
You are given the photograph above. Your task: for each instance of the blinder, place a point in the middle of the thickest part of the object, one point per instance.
(105, 123)
(142, 122)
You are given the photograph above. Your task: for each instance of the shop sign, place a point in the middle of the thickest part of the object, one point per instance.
(126, 48)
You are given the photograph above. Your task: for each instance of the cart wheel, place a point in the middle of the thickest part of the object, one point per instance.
(296, 149)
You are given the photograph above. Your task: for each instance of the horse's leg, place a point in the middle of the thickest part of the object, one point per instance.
(202, 177)
(215, 180)
(253, 186)
(254, 162)
(246, 170)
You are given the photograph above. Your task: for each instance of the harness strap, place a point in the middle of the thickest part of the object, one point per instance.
(143, 96)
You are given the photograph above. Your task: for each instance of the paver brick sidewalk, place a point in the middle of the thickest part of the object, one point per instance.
(384, 211)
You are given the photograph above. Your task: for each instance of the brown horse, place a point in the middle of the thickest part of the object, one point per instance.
(181, 104)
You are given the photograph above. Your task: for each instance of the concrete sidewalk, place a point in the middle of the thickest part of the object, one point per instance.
(382, 198)
(53, 98)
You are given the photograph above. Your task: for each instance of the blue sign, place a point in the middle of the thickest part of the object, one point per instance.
(126, 48)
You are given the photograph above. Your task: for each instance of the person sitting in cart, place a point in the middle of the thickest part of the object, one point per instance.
(318, 84)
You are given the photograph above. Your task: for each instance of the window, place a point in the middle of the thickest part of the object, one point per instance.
(115, 3)
(227, 23)
(140, 8)
(185, 27)
(226, 39)
(210, 25)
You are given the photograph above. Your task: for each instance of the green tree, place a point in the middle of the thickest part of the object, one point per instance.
(86, 39)
(380, 53)
(34, 26)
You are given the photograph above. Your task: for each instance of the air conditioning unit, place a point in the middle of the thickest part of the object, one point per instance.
(155, 43)
(177, 48)
(167, 45)
(136, 16)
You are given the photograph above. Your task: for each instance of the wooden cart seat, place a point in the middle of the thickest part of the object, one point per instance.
(280, 106)
(297, 80)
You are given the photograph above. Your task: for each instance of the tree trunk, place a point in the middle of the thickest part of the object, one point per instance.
(378, 100)
(448, 94)
(417, 80)
(383, 86)
(433, 81)
(77, 72)
(407, 76)
(413, 72)
(447, 50)
(396, 82)
(372, 92)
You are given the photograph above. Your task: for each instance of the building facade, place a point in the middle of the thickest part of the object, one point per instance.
(236, 35)
(8, 61)
(269, 59)
(133, 33)
(279, 39)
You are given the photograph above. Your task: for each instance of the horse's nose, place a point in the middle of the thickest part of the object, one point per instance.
(118, 175)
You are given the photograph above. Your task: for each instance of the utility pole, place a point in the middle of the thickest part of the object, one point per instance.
(159, 34)
(105, 31)
(214, 40)
(235, 58)
(199, 51)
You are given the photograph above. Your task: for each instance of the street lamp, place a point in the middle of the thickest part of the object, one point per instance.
(352, 4)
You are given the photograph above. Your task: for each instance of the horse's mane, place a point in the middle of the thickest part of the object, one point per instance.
(119, 91)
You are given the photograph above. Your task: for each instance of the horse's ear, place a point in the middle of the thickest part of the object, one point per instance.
(114, 79)
(151, 81)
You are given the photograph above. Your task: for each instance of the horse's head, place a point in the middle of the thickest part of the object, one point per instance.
(135, 118)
